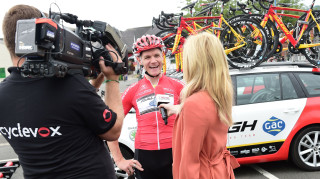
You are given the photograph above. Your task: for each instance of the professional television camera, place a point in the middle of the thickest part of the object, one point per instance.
(52, 50)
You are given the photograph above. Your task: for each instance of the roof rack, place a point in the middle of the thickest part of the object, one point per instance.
(299, 64)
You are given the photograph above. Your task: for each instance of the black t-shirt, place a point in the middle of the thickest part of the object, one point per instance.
(53, 125)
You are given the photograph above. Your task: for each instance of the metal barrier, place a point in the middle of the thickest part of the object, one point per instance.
(7, 168)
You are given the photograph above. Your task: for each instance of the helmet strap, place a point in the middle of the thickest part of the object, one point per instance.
(152, 75)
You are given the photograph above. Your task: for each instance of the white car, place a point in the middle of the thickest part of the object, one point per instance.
(276, 116)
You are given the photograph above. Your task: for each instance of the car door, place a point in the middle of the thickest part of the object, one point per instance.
(265, 111)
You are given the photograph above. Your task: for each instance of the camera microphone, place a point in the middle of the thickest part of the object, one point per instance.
(162, 98)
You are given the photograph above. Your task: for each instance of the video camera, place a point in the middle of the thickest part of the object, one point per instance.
(52, 50)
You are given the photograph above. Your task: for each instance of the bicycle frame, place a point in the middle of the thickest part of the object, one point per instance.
(272, 14)
(192, 29)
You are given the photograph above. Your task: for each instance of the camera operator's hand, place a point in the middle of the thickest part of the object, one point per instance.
(107, 70)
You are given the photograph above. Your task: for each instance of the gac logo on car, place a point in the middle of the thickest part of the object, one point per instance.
(274, 126)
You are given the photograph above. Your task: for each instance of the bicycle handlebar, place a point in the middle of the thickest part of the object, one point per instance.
(204, 11)
(243, 8)
(224, 1)
(254, 6)
(190, 5)
(170, 23)
(170, 16)
(165, 21)
(160, 23)
(167, 15)
(265, 7)
(209, 4)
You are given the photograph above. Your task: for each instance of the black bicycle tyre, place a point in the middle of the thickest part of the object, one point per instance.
(170, 42)
(234, 56)
(251, 62)
(312, 54)
(273, 39)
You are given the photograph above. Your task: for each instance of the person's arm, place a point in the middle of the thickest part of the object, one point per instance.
(174, 109)
(171, 109)
(121, 162)
(195, 127)
(96, 83)
(112, 97)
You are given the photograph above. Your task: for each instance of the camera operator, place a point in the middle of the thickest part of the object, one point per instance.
(55, 125)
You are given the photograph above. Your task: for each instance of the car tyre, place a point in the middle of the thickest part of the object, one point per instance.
(305, 149)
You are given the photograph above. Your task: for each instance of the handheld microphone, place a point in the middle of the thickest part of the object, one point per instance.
(162, 98)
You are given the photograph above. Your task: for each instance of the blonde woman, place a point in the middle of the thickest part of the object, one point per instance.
(204, 116)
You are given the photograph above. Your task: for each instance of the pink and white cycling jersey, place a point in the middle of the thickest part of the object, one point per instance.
(152, 133)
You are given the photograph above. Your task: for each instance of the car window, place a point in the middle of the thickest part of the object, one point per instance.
(257, 88)
(288, 90)
(311, 82)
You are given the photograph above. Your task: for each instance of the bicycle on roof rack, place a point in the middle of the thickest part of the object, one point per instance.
(245, 43)
(304, 38)
(245, 47)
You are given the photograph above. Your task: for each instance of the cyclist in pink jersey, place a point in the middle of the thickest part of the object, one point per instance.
(153, 141)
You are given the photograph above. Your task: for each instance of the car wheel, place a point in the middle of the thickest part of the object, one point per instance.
(305, 151)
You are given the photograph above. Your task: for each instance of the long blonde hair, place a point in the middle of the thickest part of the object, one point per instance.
(206, 68)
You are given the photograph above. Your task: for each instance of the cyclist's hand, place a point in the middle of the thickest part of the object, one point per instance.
(129, 165)
(171, 109)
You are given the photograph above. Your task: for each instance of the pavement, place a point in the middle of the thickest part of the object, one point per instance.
(124, 84)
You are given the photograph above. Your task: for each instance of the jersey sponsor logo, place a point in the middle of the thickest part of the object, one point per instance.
(153, 102)
(274, 126)
(147, 104)
(28, 132)
(107, 115)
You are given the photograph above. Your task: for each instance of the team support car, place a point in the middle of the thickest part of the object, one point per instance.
(276, 115)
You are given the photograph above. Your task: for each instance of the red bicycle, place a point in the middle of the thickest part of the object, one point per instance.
(244, 40)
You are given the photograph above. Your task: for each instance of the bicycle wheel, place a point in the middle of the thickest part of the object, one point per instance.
(245, 43)
(311, 36)
(272, 34)
(168, 36)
